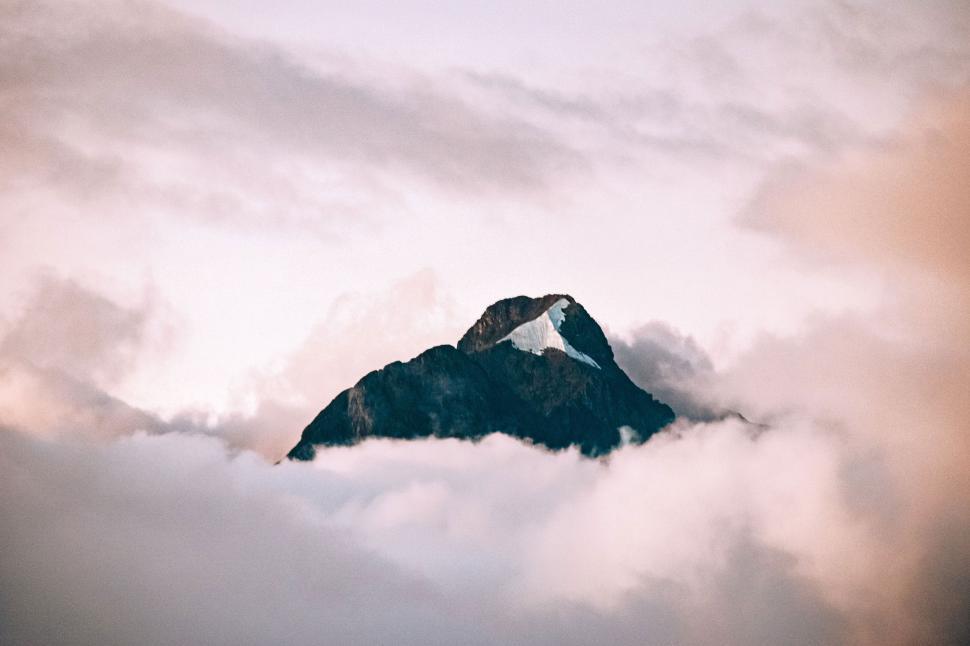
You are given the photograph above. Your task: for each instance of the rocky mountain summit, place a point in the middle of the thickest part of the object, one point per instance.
(539, 369)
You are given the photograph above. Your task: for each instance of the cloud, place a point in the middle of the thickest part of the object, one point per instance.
(360, 332)
(895, 383)
(69, 328)
(113, 103)
(70, 346)
(194, 559)
(671, 367)
(901, 204)
(844, 521)
(58, 357)
(190, 536)
(434, 542)
(52, 404)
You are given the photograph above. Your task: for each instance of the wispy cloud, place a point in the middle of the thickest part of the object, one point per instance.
(127, 126)
(125, 98)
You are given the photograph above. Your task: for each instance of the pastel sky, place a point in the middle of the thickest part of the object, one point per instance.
(242, 168)
(217, 214)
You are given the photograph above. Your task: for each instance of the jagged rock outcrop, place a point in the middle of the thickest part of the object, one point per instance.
(539, 369)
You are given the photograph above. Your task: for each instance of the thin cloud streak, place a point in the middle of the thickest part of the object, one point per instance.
(119, 90)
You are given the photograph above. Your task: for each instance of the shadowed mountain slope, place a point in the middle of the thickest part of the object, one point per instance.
(539, 369)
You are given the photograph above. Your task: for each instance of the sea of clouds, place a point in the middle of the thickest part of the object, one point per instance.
(840, 516)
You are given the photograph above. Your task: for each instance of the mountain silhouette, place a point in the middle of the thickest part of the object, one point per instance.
(538, 369)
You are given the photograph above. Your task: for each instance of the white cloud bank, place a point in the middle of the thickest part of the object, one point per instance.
(164, 539)
(844, 522)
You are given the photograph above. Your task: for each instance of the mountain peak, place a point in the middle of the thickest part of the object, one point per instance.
(545, 333)
(572, 323)
(539, 369)
(501, 317)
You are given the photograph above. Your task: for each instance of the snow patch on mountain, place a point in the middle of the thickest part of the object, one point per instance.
(543, 332)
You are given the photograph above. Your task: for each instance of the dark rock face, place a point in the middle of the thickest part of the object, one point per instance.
(503, 317)
(486, 386)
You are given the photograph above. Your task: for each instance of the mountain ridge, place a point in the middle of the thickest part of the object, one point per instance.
(512, 372)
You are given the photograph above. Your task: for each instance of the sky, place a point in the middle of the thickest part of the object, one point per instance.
(215, 216)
